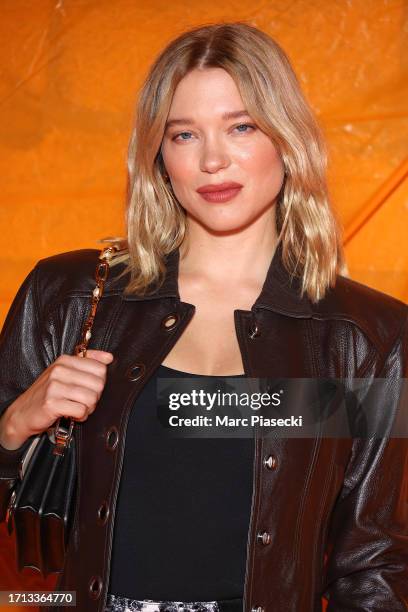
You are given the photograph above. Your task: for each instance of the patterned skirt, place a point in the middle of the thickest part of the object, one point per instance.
(118, 603)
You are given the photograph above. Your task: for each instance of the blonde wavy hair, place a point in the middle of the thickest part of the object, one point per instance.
(306, 222)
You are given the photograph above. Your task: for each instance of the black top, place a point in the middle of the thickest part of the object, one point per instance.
(183, 510)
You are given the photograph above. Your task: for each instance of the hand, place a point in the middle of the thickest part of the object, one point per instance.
(71, 387)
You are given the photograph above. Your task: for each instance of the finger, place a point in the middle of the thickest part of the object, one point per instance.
(59, 391)
(60, 408)
(73, 410)
(103, 356)
(88, 364)
(94, 380)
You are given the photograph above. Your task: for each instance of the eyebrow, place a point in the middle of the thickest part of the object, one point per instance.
(188, 121)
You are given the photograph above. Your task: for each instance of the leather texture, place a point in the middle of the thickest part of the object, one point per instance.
(335, 509)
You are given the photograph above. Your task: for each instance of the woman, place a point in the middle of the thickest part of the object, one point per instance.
(231, 268)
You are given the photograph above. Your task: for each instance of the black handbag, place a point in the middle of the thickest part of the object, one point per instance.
(42, 503)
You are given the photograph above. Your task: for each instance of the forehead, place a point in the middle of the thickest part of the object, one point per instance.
(209, 89)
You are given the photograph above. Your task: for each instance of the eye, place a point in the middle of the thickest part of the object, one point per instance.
(181, 134)
(245, 125)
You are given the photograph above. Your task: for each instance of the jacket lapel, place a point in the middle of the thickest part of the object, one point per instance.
(279, 292)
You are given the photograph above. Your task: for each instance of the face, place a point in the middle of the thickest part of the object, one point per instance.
(211, 140)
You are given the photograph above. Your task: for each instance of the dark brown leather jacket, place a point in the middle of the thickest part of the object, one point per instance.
(335, 509)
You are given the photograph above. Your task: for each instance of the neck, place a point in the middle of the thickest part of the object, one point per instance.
(229, 256)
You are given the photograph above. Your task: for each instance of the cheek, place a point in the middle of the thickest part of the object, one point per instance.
(263, 162)
(179, 163)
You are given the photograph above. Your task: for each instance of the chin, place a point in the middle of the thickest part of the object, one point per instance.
(224, 225)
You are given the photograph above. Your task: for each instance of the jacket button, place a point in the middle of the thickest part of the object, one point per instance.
(103, 513)
(170, 321)
(257, 609)
(254, 331)
(95, 587)
(270, 462)
(112, 438)
(135, 371)
(264, 537)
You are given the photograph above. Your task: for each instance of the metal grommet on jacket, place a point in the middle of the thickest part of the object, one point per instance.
(95, 587)
(135, 371)
(170, 321)
(103, 513)
(112, 438)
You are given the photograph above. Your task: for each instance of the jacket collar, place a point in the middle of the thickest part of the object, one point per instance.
(279, 292)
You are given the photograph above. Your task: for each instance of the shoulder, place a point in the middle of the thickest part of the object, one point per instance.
(381, 317)
(73, 272)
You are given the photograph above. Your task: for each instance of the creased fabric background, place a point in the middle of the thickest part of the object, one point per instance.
(70, 71)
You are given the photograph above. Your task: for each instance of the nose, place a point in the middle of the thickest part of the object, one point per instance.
(214, 156)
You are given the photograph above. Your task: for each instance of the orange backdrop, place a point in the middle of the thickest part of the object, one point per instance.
(70, 71)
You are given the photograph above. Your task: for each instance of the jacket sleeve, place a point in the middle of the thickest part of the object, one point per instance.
(367, 565)
(23, 356)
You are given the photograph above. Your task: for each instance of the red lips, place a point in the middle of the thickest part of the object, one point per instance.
(220, 187)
